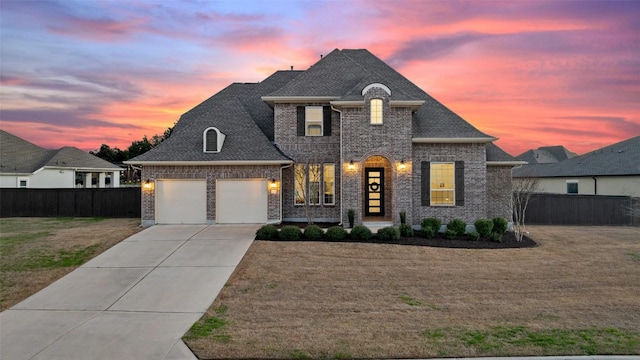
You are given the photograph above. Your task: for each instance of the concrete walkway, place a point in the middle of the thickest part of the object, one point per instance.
(134, 301)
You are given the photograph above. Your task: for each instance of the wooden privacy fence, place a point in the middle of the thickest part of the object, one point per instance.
(110, 202)
(559, 209)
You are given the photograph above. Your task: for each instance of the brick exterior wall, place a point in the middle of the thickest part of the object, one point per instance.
(211, 174)
(306, 150)
(499, 192)
(370, 145)
(475, 181)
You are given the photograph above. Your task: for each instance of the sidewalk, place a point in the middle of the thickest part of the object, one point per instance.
(134, 301)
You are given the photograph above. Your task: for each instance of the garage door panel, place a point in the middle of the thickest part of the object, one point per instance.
(181, 202)
(241, 201)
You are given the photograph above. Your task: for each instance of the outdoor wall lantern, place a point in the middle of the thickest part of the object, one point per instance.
(402, 166)
(148, 184)
(273, 186)
(352, 166)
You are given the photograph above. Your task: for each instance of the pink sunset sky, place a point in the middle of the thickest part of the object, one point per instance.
(532, 73)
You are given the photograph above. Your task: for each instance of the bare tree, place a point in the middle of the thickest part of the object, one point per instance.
(633, 209)
(307, 187)
(523, 188)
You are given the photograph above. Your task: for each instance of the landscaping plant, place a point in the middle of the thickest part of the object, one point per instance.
(474, 236)
(484, 227)
(290, 232)
(361, 232)
(335, 233)
(313, 232)
(403, 217)
(458, 226)
(434, 223)
(389, 233)
(428, 232)
(406, 230)
(351, 214)
(267, 232)
(500, 225)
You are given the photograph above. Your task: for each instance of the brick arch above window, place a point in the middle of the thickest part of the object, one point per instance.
(376, 85)
(212, 140)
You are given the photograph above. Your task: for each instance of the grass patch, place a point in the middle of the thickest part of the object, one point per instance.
(634, 256)
(41, 259)
(204, 328)
(409, 300)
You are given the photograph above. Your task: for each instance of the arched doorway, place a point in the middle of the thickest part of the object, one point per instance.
(377, 197)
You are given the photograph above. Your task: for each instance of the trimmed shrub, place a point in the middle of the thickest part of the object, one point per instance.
(267, 232)
(495, 237)
(406, 230)
(450, 234)
(473, 236)
(434, 223)
(290, 232)
(335, 233)
(389, 233)
(313, 232)
(428, 232)
(403, 217)
(351, 214)
(484, 227)
(458, 226)
(500, 225)
(361, 232)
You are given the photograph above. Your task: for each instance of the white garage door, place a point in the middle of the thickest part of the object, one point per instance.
(241, 201)
(181, 202)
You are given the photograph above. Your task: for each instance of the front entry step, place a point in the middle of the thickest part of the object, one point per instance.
(374, 226)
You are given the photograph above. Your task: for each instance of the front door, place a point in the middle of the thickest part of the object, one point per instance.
(374, 192)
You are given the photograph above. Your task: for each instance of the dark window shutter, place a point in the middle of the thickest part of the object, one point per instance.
(326, 120)
(425, 187)
(301, 115)
(459, 183)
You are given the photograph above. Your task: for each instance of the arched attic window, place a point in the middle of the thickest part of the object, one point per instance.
(212, 140)
(376, 103)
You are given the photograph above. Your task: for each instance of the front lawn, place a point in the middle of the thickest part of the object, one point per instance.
(576, 293)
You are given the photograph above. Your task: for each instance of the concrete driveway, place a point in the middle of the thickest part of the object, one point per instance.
(134, 301)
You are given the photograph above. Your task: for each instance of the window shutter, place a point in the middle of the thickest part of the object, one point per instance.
(326, 120)
(459, 183)
(301, 115)
(425, 187)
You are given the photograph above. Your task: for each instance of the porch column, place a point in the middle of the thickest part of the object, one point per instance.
(87, 180)
(101, 178)
(115, 179)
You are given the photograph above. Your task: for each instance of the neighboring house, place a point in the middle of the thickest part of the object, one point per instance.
(612, 170)
(546, 154)
(26, 165)
(348, 133)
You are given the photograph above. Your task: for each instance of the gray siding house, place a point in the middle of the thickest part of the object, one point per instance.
(348, 133)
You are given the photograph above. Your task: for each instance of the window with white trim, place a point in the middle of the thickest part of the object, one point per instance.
(23, 183)
(376, 111)
(572, 186)
(313, 120)
(442, 183)
(312, 180)
(212, 140)
(329, 178)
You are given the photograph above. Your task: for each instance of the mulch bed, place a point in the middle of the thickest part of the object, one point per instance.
(508, 241)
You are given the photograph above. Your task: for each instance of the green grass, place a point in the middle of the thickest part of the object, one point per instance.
(40, 259)
(205, 328)
(634, 256)
(506, 340)
(409, 300)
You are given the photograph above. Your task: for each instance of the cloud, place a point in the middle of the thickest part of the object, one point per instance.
(81, 118)
(425, 49)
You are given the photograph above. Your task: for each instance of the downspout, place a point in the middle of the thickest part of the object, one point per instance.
(341, 165)
(281, 196)
(595, 185)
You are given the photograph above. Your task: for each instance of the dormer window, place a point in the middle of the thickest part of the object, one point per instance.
(212, 140)
(376, 111)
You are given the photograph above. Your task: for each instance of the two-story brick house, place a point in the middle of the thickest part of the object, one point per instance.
(348, 133)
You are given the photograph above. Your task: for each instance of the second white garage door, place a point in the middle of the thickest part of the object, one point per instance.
(181, 202)
(241, 201)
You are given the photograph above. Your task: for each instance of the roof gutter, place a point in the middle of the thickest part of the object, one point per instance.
(341, 163)
(209, 163)
(453, 140)
(297, 99)
(506, 163)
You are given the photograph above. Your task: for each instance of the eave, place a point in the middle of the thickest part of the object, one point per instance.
(413, 104)
(297, 99)
(506, 163)
(453, 140)
(210, 163)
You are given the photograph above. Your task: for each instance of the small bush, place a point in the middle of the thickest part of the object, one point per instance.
(406, 230)
(450, 234)
(335, 233)
(361, 232)
(495, 237)
(403, 217)
(484, 227)
(434, 223)
(290, 232)
(267, 232)
(351, 214)
(428, 232)
(389, 233)
(457, 225)
(474, 236)
(313, 232)
(500, 225)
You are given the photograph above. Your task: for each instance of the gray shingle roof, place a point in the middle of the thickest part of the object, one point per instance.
(239, 112)
(20, 156)
(495, 153)
(546, 154)
(621, 158)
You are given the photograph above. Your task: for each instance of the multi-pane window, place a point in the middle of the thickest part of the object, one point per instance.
(308, 181)
(376, 111)
(328, 173)
(572, 186)
(313, 120)
(442, 184)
